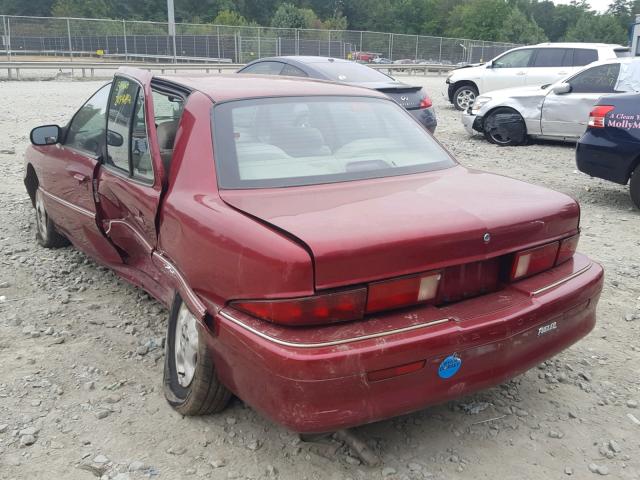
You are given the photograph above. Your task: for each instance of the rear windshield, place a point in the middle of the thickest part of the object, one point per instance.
(350, 72)
(282, 142)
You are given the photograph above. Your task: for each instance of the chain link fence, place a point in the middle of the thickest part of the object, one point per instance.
(128, 40)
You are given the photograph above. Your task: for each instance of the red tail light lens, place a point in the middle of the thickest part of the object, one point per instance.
(598, 115)
(535, 260)
(567, 249)
(426, 102)
(402, 292)
(318, 309)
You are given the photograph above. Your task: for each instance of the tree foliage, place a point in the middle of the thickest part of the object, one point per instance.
(518, 21)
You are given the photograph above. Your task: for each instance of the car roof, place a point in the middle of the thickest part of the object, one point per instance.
(576, 45)
(222, 88)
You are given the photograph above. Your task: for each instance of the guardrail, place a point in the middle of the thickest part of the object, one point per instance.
(90, 67)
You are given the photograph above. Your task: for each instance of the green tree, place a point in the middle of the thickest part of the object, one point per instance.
(597, 28)
(289, 16)
(517, 28)
(480, 19)
(229, 17)
(81, 8)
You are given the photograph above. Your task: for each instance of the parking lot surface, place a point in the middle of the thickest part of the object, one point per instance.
(81, 355)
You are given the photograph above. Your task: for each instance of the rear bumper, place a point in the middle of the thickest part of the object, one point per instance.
(315, 379)
(600, 157)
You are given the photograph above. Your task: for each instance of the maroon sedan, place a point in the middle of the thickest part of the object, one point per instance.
(323, 257)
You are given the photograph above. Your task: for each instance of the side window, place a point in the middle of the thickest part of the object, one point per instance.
(600, 79)
(264, 68)
(87, 128)
(517, 59)
(553, 57)
(584, 56)
(127, 142)
(292, 71)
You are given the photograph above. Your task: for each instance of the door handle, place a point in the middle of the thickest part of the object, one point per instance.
(562, 73)
(81, 178)
(521, 73)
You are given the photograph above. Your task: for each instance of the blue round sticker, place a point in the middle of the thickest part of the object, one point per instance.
(449, 366)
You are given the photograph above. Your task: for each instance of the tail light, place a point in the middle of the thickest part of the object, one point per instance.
(325, 308)
(426, 102)
(598, 114)
(535, 260)
(567, 249)
(402, 292)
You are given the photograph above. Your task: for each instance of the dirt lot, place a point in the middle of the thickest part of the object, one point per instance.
(81, 356)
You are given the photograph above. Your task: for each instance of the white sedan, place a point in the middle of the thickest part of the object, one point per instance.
(559, 111)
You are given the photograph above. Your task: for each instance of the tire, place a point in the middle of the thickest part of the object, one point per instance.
(464, 97)
(191, 385)
(634, 186)
(46, 233)
(505, 127)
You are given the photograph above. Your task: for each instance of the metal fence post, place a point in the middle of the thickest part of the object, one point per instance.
(5, 20)
(69, 38)
(416, 57)
(297, 35)
(391, 46)
(235, 46)
(259, 50)
(329, 42)
(440, 55)
(218, 35)
(361, 49)
(124, 36)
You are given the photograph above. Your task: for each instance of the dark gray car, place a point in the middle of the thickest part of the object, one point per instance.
(414, 99)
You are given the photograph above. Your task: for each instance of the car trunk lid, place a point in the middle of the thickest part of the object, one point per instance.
(363, 231)
(406, 95)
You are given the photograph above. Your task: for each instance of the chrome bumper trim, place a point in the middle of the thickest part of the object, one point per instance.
(333, 342)
(560, 282)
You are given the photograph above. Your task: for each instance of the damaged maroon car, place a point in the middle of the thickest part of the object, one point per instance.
(322, 256)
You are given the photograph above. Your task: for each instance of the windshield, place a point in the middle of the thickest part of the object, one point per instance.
(281, 142)
(350, 72)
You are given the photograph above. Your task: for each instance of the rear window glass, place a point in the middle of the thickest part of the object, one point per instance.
(349, 72)
(584, 56)
(281, 142)
(553, 57)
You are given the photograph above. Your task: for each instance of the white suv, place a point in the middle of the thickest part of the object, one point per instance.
(531, 65)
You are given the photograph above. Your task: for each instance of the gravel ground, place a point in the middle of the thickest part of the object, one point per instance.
(81, 356)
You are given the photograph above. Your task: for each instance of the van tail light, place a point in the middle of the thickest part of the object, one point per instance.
(377, 375)
(426, 102)
(318, 309)
(598, 114)
(402, 292)
(535, 260)
(567, 249)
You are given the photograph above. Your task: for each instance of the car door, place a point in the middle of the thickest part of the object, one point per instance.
(550, 65)
(507, 71)
(67, 183)
(129, 181)
(566, 114)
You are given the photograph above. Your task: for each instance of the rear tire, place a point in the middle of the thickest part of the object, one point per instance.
(46, 233)
(634, 186)
(191, 385)
(464, 97)
(496, 132)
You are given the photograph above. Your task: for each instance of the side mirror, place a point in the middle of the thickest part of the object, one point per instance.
(114, 139)
(561, 88)
(46, 135)
(490, 64)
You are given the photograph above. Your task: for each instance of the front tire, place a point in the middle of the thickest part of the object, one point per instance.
(46, 233)
(191, 385)
(464, 97)
(505, 127)
(634, 186)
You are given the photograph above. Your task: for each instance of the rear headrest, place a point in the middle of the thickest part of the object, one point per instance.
(167, 134)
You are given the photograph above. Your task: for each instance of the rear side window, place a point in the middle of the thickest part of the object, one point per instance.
(584, 56)
(600, 79)
(264, 68)
(553, 57)
(292, 71)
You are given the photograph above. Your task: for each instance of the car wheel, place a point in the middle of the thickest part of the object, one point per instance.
(191, 384)
(505, 127)
(634, 186)
(46, 233)
(464, 97)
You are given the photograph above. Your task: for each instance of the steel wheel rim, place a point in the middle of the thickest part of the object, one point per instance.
(41, 216)
(466, 98)
(186, 346)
